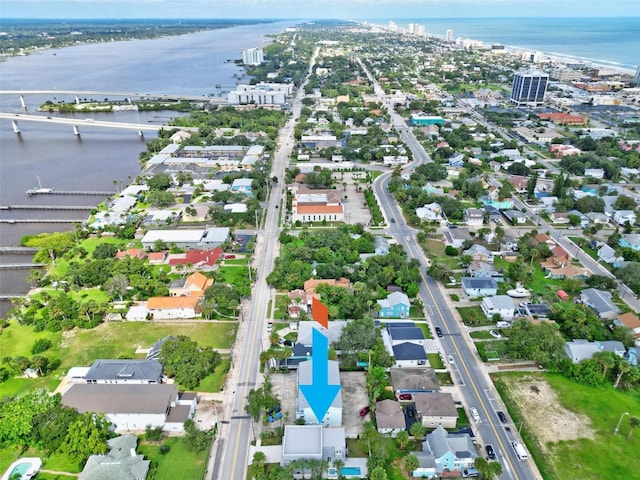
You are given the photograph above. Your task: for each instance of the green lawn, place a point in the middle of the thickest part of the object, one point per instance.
(604, 455)
(177, 463)
(109, 340)
(435, 361)
(233, 274)
(481, 335)
(215, 381)
(492, 349)
(357, 448)
(473, 316)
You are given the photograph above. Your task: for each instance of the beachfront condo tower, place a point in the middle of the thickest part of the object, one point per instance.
(529, 88)
(636, 78)
(252, 56)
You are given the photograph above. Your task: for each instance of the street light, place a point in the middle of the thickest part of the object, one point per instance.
(615, 432)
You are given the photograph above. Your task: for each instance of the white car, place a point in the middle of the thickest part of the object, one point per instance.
(450, 359)
(495, 334)
(269, 327)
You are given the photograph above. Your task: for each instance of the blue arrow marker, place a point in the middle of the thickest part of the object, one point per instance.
(320, 394)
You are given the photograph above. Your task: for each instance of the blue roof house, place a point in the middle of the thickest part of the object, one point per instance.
(242, 185)
(395, 305)
(631, 240)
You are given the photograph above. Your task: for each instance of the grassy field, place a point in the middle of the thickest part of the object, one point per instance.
(435, 361)
(601, 453)
(109, 340)
(215, 381)
(473, 316)
(177, 463)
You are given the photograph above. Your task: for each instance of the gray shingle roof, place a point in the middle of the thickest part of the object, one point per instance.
(120, 462)
(132, 370)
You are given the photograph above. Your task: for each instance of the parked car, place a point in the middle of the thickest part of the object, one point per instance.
(405, 396)
(502, 416)
(275, 416)
(364, 411)
(393, 220)
(495, 333)
(411, 411)
(269, 326)
(229, 257)
(439, 332)
(287, 343)
(475, 414)
(450, 359)
(470, 472)
(491, 453)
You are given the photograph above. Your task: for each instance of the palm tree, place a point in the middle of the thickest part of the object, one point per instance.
(634, 422)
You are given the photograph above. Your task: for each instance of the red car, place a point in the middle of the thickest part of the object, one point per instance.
(364, 411)
(405, 396)
(229, 256)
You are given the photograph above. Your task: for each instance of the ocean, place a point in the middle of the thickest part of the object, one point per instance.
(606, 41)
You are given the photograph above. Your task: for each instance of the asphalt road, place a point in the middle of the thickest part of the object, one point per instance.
(468, 371)
(236, 435)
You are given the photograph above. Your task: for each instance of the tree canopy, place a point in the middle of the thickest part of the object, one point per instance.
(187, 362)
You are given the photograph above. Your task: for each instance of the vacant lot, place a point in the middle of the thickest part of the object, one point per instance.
(569, 428)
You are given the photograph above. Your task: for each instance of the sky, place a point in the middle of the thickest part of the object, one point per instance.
(316, 9)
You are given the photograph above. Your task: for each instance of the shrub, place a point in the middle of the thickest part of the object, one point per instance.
(41, 345)
(164, 449)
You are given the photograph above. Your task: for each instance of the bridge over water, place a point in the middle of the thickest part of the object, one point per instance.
(85, 93)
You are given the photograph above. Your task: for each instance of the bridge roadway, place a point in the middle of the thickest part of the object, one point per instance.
(84, 93)
(90, 122)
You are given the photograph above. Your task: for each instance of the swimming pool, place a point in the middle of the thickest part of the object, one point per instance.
(25, 467)
(346, 471)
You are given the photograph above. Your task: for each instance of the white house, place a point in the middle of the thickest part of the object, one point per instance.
(132, 407)
(501, 304)
(474, 216)
(312, 442)
(597, 173)
(333, 417)
(430, 213)
(621, 217)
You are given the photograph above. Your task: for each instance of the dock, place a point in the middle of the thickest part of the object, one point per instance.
(40, 220)
(25, 250)
(21, 266)
(42, 191)
(46, 207)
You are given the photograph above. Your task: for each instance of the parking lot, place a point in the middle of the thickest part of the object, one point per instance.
(354, 397)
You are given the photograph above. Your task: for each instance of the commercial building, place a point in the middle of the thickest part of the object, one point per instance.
(529, 88)
(252, 56)
(261, 94)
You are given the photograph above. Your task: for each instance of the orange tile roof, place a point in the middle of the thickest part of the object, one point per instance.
(319, 209)
(166, 303)
(311, 284)
(199, 281)
(630, 320)
(157, 256)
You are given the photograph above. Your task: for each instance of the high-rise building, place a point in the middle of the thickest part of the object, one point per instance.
(529, 88)
(253, 56)
(636, 78)
(420, 31)
(412, 28)
(449, 36)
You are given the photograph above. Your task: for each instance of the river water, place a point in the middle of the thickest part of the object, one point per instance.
(190, 65)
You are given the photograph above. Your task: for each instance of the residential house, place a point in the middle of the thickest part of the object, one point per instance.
(299, 301)
(600, 301)
(597, 173)
(305, 331)
(536, 310)
(479, 287)
(502, 305)
(519, 183)
(311, 284)
(631, 321)
(179, 136)
(408, 354)
(122, 204)
(500, 204)
(584, 220)
(597, 218)
(430, 213)
(132, 407)
(333, 417)
(242, 185)
(206, 238)
(544, 238)
(548, 204)
(479, 253)
(451, 452)
(607, 254)
(199, 259)
(299, 353)
(413, 380)
(580, 349)
(456, 237)
(400, 332)
(121, 461)
(516, 217)
(622, 217)
(436, 409)
(396, 305)
(157, 258)
(478, 269)
(474, 217)
(124, 371)
(456, 161)
(171, 308)
(131, 253)
(389, 417)
(312, 442)
(630, 240)
(566, 270)
(156, 348)
(380, 245)
(559, 218)
(194, 284)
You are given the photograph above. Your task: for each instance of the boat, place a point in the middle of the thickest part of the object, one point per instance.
(518, 292)
(39, 190)
(218, 85)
